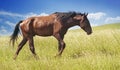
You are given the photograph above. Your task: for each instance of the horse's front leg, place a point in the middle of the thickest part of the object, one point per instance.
(61, 44)
(61, 47)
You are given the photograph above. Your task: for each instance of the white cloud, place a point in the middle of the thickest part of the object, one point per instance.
(31, 14)
(2, 30)
(96, 16)
(112, 19)
(44, 14)
(34, 14)
(10, 23)
(10, 14)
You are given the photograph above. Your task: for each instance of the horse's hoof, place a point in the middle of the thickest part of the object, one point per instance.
(14, 58)
(57, 56)
(36, 57)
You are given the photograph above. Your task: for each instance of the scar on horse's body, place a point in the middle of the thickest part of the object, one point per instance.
(55, 25)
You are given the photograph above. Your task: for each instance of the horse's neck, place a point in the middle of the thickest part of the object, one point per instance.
(71, 24)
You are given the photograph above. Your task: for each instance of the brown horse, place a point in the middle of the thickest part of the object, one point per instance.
(55, 25)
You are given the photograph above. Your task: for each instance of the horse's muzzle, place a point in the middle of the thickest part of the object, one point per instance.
(89, 33)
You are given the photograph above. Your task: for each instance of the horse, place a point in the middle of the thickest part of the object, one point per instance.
(55, 24)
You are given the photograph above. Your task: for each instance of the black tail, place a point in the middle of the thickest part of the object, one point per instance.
(15, 33)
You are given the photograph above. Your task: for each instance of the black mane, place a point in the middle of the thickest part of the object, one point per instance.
(65, 15)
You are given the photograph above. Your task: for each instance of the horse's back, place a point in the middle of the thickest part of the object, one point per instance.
(41, 25)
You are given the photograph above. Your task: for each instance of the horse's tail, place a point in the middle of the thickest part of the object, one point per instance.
(15, 33)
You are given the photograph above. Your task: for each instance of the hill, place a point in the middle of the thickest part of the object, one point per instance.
(108, 26)
(112, 26)
(98, 51)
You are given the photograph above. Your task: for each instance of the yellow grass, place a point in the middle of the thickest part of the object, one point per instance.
(99, 51)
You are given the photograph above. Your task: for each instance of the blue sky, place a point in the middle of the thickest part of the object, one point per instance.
(100, 11)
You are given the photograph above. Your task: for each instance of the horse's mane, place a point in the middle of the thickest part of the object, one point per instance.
(65, 15)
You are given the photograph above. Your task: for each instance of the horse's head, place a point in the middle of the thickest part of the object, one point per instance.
(84, 23)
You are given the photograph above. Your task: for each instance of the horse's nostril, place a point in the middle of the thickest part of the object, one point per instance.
(88, 33)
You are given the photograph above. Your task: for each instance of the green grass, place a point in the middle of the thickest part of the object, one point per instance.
(99, 51)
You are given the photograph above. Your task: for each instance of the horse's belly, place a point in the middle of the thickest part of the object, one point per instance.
(45, 31)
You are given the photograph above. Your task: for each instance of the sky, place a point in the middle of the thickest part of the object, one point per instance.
(100, 12)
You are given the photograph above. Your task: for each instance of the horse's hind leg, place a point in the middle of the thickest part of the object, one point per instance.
(22, 43)
(31, 45)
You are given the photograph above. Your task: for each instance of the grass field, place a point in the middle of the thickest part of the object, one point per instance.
(99, 51)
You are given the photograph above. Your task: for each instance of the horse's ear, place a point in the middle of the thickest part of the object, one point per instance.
(86, 14)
